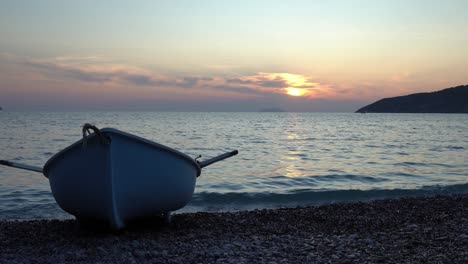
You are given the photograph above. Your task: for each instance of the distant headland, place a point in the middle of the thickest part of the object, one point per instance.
(450, 100)
(273, 109)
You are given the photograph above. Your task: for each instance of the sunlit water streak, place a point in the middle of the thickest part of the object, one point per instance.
(286, 159)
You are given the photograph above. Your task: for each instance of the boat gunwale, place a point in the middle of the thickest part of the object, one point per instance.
(127, 135)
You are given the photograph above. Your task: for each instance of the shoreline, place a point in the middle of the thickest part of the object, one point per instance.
(404, 230)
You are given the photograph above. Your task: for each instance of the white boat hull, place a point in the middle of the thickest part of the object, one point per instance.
(128, 178)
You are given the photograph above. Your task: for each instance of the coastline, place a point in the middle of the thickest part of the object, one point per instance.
(405, 230)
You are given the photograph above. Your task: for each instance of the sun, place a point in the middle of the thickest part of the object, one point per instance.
(295, 91)
(297, 84)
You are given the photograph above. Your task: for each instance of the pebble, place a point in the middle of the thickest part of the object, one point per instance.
(430, 229)
(139, 253)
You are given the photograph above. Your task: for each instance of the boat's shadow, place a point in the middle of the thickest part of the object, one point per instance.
(96, 227)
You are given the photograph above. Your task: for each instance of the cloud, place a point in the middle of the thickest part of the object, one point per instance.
(238, 89)
(276, 83)
(260, 80)
(190, 82)
(104, 72)
(239, 81)
(280, 83)
(93, 69)
(139, 79)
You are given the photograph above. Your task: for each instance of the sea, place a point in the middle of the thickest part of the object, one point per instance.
(284, 160)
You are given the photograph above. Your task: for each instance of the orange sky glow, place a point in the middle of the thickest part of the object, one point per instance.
(227, 55)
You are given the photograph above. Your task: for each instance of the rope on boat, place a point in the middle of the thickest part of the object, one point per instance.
(87, 131)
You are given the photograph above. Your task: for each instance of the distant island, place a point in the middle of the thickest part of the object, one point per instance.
(273, 109)
(450, 100)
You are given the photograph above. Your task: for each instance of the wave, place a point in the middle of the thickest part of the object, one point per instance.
(236, 201)
(280, 183)
(39, 204)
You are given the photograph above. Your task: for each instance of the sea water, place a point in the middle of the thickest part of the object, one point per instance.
(285, 159)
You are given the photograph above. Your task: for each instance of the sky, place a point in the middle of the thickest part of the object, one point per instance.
(325, 56)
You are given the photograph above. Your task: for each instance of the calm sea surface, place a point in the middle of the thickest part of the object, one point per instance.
(285, 159)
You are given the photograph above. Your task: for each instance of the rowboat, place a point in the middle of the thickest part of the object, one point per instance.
(115, 176)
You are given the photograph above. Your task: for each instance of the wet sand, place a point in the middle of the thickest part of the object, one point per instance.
(409, 230)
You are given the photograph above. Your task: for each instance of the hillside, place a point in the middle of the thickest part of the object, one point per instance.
(450, 100)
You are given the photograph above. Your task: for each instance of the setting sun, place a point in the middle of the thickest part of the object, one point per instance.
(295, 91)
(296, 84)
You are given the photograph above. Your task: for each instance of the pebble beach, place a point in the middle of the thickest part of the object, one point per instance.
(406, 230)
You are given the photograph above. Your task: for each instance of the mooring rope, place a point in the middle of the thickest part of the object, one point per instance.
(88, 129)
